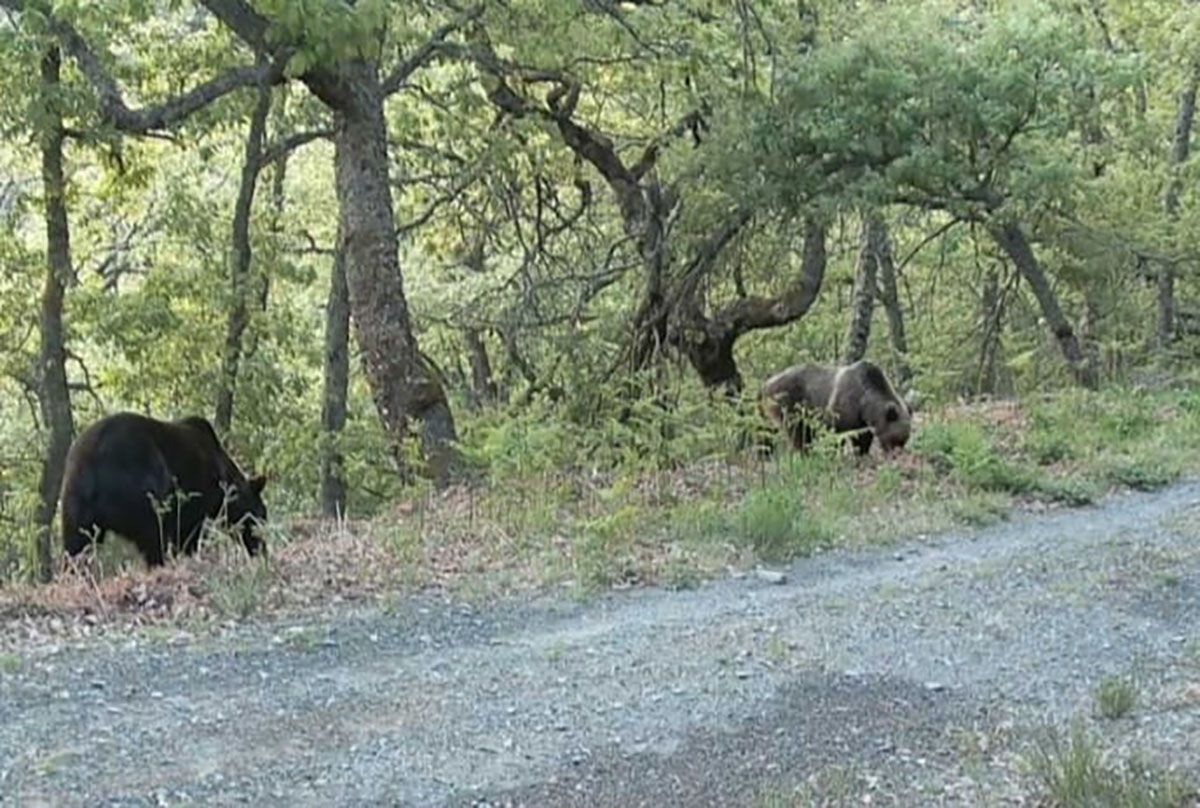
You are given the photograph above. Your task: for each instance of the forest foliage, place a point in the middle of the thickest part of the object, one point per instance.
(572, 237)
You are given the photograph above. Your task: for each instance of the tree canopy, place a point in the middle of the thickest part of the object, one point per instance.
(372, 239)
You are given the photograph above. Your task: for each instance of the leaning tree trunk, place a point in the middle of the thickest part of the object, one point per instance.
(1012, 240)
(54, 396)
(890, 297)
(337, 377)
(401, 383)
(1180, 147)
(239, 271)
(863, 308)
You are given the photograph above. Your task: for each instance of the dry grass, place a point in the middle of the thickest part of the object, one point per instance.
(583, 531)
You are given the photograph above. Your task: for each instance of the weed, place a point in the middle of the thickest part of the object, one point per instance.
(603, 553)
(681, 573)
(1073, 773)
(776, 524)
(10, 663)
(1142, 475)
(238, 591)
(833, 785)
(979, 509)
(778, 651)
(1072, 491)
(302, 638)
(1116, 697)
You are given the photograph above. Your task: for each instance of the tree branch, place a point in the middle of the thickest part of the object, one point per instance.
(752, 313)
(400, 75)
(112, 104)
(289, 144)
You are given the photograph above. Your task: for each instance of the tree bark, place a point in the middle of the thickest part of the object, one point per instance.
(991, 320)
(709, 341)
(1180, 148)
(54, 395)
(862, 309)
(336, 385)
(403, 386)
(889, 294)
(239, 270)
(1012, 240)
(483, 382)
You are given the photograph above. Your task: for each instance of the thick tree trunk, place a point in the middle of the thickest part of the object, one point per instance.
(862, 310)
(401, 383)
(239, 270)
(54, 396)
(712, 359)
(646, 222)
(1012, 240)
(337, 378)
(890, 296)
(483, 383)
(1180, 148)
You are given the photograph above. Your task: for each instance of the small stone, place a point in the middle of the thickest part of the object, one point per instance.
(935, 687)
(771, 576)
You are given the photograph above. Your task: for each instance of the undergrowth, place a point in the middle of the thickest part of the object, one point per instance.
(693, 501)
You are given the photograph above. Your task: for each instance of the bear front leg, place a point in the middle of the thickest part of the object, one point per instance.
(862, 442)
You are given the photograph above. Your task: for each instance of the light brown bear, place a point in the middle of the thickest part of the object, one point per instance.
(854, 398)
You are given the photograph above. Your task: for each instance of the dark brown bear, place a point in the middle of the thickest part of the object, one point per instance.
(155, 482)
(854, 398)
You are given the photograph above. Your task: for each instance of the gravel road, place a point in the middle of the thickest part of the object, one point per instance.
(914, 675)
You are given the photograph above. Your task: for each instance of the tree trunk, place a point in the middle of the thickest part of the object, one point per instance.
(1180, 148)
(1012, 240)
(863, 307)
(712, 359)
(239, 270)
(991, 319)
(401, 384)
(54, 396)
(890, 296)
(483, 383)
(709, 342)
(337, 377)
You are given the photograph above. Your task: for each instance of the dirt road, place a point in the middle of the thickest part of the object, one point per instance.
(915, 674)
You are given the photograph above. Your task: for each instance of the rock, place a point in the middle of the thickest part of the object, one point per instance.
(771, 576)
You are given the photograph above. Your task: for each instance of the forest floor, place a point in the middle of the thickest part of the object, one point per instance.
(1053, 656)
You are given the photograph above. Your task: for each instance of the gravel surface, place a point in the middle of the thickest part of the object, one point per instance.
(913, 674)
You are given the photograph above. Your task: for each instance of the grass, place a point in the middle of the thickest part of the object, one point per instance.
(1116, 697)
(1073, 772)
(533, 525)
(10, 663)
(830, 786)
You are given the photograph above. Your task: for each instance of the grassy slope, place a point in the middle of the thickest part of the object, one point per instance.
(967, 465)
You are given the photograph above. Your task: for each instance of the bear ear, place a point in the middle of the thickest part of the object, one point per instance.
(258, 483)
(892, 413)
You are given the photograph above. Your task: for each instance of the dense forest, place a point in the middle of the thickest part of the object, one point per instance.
(393, 247)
